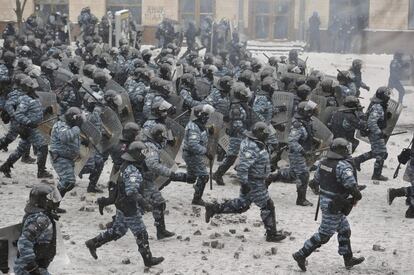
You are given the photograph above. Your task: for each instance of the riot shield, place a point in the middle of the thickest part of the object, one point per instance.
(84, 154)
(216, 121)
(322, 139)
(91, 132)
(283, 99)
(62, 76)
(8, 244)
(176, 136)
(224, 142)
(395, 109)
(203, 88)
(168, 161)
(113, 85)
(48, 100)
(326, 114)
(126, 114)
(111, 130)
(176, 101)
(320, 100)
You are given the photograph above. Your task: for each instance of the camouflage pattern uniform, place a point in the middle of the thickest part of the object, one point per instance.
(64, 149)
(149, 190)
(220, 103)
(376, 122)
(38, 229)
(194, 149)
(336, 178)
(137, 92)
(253, 169)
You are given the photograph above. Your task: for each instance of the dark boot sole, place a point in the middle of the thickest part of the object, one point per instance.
(297, 260)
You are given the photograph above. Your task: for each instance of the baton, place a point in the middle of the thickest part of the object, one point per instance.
(211, 174)
(266, 55)
(89, 140)
(181, 115)
(398, 133)
(47, 120)
(317, 208)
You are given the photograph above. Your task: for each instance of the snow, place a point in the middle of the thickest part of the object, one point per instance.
(373, 221)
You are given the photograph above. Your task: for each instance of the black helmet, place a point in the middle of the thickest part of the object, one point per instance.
(224, 84)
(351, 102)
(160, 109)
(18, 78)
(88, 70)
(357, 64)
(29, 85)
(202, 112)
(123, 42)
(136, 152)
(209, 59)
(340, 148)
(113, 97)
(327, 85)
(100, 78)
(273, 61)
(165, 71)
(312, 81)
(48, 66)
(293, 54)
(256, 65)
(345, 76)
(74, 65)
(266, 72)
(43, 197)
(130, 131)
(383, 94)
(23, 63)
(72, 116)
(163, 87)
(247, 77)
(303, 91)
(9, 57)
(307, 109)
(158, 133)
(269, 85)
(261, 131)
(241, 92)
(188, 80)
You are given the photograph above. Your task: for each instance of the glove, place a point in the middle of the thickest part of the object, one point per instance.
(209, 155)
(280, 127)
(182, 177)
(271, 178)
(124, 112)
(210, 130)
(145, 204)
(389, 115)
(245, 189)
(172, 110)
(31, 124)
(282, 109)
(171, 142)
(384, 135)
(356, 194)
(85, 142)
(404, 156)
(367, 88)
(48, 111)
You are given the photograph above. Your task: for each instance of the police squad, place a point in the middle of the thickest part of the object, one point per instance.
(85, 105)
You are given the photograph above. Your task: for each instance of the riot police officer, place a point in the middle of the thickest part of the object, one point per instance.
(128, 203)
(37, 243)
(253, 169)
(339, 193)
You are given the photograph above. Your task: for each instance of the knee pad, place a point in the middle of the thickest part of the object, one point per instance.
(269, 205)
(346, 234)
(204, 178)
(324, 238)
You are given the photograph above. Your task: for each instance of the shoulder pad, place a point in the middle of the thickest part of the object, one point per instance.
(36, 226)
(297, 124)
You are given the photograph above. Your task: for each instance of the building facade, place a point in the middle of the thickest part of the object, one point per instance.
(383, 25)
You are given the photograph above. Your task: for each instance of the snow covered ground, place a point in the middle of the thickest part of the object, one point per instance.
(241, 247)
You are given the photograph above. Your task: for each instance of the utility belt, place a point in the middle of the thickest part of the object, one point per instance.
(338, 204)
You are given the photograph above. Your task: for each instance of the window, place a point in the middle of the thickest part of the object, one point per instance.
(134, 6)
(272, 18)
(196, 10)
(353, 12)
(46, 7)
(411, 15)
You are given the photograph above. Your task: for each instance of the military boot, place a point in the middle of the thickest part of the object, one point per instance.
(211, 210)
(93, 189)
(199, 187)
(6, 169)
(377, 175)
(351, 261)
(274, 236)
(163, 233)
(300, 260)
(97, 242)
(144, 250)
(409, 214)
(4, 143)
(222, 169)
(301, 199)
(28, 159)
(394, 193)
(42, 173)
